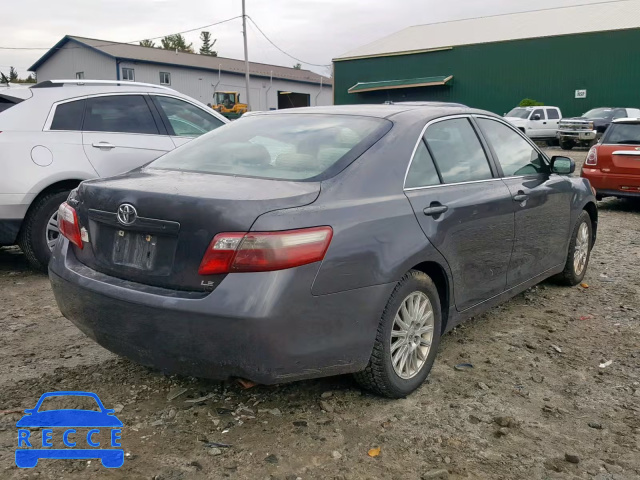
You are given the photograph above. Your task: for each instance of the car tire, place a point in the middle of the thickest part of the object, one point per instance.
(33, 234)
(567, 144)
(572, 273)
(380, 376)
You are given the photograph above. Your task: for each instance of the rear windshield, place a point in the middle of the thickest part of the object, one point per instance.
(7, 102)
(623, 134)
(286, 146)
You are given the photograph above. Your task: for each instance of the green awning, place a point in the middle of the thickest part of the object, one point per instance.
(406, 83)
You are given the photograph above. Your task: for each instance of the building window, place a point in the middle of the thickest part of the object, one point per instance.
(165, 78)
(79, 75)
(128, 74)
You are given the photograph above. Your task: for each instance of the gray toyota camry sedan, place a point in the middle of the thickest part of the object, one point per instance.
(319, 241)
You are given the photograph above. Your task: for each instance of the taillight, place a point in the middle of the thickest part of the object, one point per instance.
(68, 224)
(592, 157)
(265, 251)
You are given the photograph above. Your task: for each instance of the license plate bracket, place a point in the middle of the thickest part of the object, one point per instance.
(134, 249)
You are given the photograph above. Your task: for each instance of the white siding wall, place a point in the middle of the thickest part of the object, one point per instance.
(200, 84)
(73, 58)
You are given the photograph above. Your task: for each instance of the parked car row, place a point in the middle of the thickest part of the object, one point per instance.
(58, 133)
(546, 123)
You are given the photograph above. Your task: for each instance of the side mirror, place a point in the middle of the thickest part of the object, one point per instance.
(536, 117)
(562, 165)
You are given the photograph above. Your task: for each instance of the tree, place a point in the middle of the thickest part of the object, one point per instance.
(3, 78)
(176, 42)
(148, 43)
(297, 66)
(30, 79)
(13, 75)
(207, 44)
(528, 102)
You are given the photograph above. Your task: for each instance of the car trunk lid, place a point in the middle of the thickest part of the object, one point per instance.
(154, 226)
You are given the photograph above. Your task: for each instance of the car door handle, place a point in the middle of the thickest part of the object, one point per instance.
(103, 145)
(520, 197)
(435, 210)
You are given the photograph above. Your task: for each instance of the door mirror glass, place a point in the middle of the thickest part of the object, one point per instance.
(535, 117)
(562, 165)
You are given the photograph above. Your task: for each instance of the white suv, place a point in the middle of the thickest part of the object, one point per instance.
(58, 133)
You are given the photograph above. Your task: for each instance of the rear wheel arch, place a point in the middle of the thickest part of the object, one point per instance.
(440, 278)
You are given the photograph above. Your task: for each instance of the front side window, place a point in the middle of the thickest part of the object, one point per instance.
(622, 134)
(119, 113)
(278, 146)
(516, 155)
(79, 75)
(128, 74)
(539, 112)
(68, 116)
(422, 172)
(185, 119)
(457, 151)
(165, 78)
(552, 114)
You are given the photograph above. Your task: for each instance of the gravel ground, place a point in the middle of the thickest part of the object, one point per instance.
(536, 405)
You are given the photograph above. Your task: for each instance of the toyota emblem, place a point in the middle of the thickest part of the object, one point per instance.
(127, 214)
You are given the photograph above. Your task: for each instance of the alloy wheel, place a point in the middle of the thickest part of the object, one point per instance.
(51, 232)
(411, 335)
(581, 250)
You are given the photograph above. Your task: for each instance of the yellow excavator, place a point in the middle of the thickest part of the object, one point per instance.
(228, 104)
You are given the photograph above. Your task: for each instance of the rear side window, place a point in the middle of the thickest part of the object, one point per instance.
(457, 151)
(422, 172)
(119, 114)
(187, 120)
(552, 114)
(516, 156)
(278, 146)
(68, 116)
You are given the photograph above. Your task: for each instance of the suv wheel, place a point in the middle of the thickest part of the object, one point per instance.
(407, 339)
(39, 231)
(567, 144)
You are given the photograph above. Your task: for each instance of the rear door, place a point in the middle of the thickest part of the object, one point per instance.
(121, 133)
(184, 121)
(553, 117)
(541, 202)
(463, 209)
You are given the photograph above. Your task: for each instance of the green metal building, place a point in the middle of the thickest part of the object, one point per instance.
(575, 58)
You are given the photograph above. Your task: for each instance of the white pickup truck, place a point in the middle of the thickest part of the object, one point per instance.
(540, 123)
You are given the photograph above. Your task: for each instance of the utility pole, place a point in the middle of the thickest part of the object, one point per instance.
(246, 53)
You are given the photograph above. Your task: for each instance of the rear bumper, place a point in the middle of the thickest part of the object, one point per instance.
(612, 184)
(266, 327)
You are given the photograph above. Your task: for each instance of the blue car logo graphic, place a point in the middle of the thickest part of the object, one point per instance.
(69, 419)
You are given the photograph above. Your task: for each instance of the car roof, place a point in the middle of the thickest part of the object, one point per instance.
(633, 121)
(425, 109)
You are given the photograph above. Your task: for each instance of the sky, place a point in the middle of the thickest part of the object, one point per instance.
(314, 31)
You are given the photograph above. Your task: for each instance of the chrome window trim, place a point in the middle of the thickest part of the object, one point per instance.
(409, 189)
(415, 149)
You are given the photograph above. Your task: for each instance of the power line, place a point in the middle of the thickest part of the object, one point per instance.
(281, 50)
(132, 41)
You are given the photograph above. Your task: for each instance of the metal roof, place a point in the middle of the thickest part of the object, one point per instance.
(405, 83)
(137, 53)
(598, 17)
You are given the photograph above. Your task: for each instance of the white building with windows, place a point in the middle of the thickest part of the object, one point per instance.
(199, 76)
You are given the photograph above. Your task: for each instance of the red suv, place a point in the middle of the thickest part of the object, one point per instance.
(613, 165)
